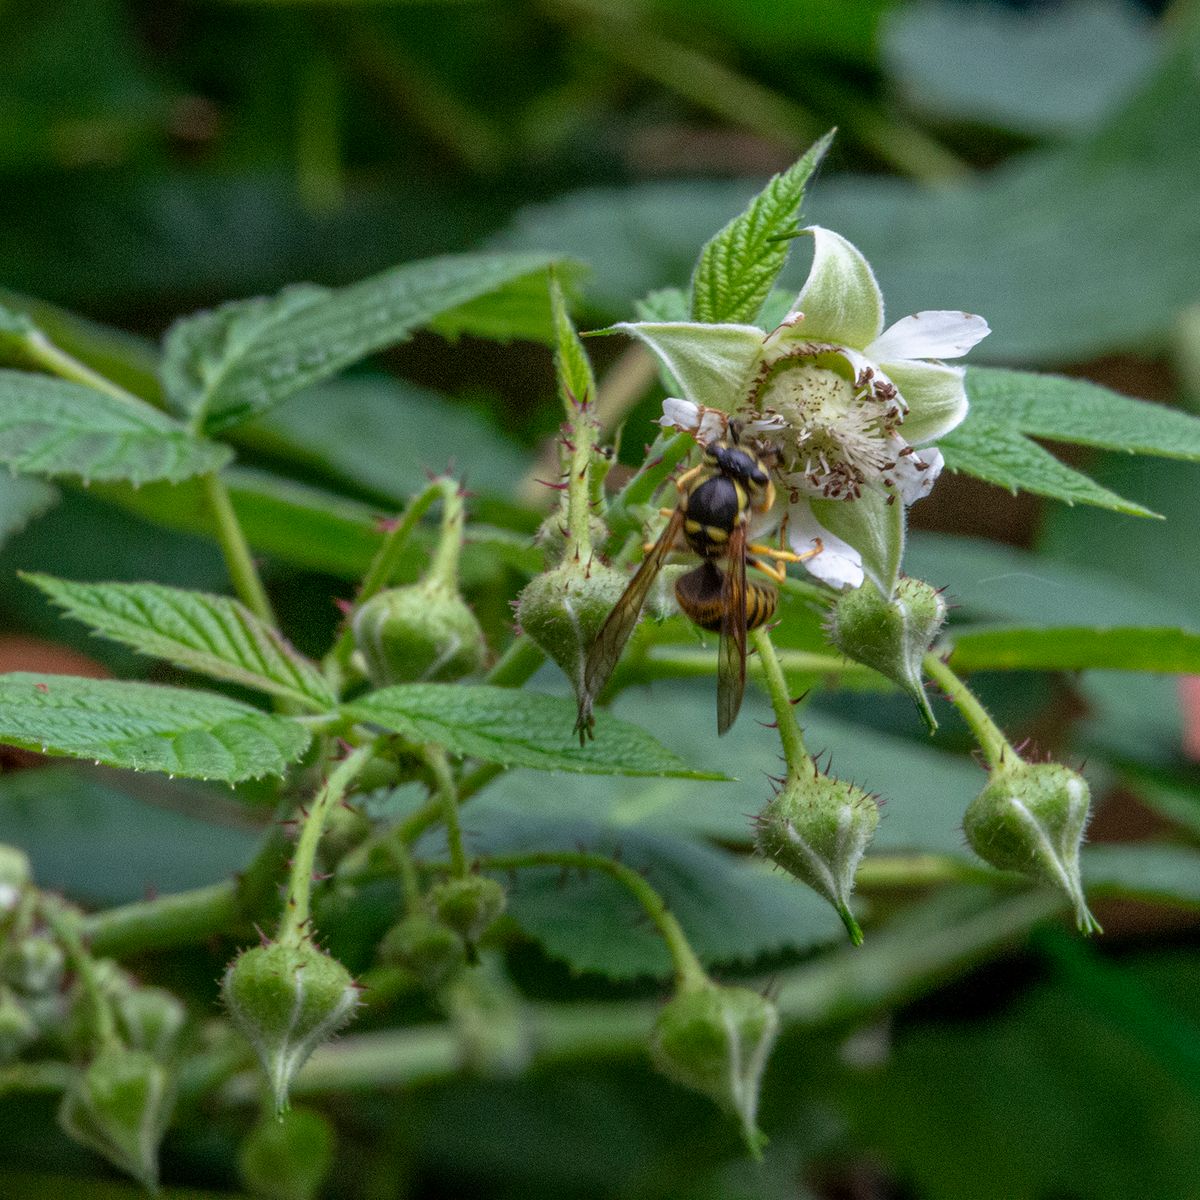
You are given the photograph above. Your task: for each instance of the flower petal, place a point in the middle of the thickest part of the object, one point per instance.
(933, 334)
(935, 397)
(712, 364)
(840, 299)
(704, 424)
(915, 474)
(838, 563)
(873, 527)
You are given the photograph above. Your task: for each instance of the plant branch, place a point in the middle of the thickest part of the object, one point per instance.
(238, 559)
(995, 746)
(447, 798)
(798, 761)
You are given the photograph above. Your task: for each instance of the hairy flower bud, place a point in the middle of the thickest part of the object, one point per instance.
(717, 1040)
(1031, 818)
(119, 1106)
(468, 905)
(423, 633)
(552, 537)
(562, 611)
(35, 965)
(17, 1027)
(429, 950)
(15, 875)
(817, 829)
(287, 998)
(150, 1019)
(287, 1157)
(892, 636)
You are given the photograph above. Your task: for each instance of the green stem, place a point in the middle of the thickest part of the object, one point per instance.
(925, 870)
(995, 746)
(443, 568)
(517, 665)
(50, 358)
(238, 559)
(447, 797)
(670, 663)
(798, 761)
(180, 919)
(67, 928)
(296, 907)
(689, 973)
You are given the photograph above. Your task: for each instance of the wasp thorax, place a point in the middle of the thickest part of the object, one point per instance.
(421, 633)
(426, 948)
(562, 611)
(1031, 818)
(119, 1106)
(834, 431)
(717, 1041)
(892, 636)
(817, 829)
(469, 905)
(287, 998)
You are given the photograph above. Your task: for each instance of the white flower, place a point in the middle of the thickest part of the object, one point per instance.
(850, 408)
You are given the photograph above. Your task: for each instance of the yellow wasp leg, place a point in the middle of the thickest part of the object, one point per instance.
(779, 574)
(781, 556)
(682, 482)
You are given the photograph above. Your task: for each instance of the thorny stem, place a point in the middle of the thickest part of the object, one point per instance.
(447, 796)
(798, 760)
(387, 557)
(689, 974)
(299, 892)
(66, 927)
(995, 746)
(238, 560)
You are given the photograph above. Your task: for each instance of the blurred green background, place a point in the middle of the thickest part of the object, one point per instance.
(1036, 163)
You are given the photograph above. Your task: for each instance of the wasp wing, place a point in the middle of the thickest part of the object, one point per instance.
(731, 654)
(606, 650)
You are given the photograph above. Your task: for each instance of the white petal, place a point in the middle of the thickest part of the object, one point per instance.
(840, 299)
(916, 473)
(712, 364)
(874, 527)
(935, 398)
(933, 334)
(704, 424)
(838, 563)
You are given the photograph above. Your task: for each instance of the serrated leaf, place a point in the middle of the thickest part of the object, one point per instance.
(54, 427)
(732, 910)
(1165, 651)
(518, 729)
(245, 358)
(212, 634)
(738, 267)
(576, 383)
(21, 500)
(1083, 413)
(1002, 455)
(140, 726)
(1145, 871)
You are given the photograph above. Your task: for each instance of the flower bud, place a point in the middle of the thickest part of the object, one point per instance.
(119, 1106)
(1031, 818)
(34, 965)
(17, 1027)
(287, 998)
(551, 536)
(287, 1157)
(15, 874)
(817, 829)
(892, 636)
(431, 951)
(562, 611)
(422, 633)
(468, 905)
(717, 1040)
(149, 1019)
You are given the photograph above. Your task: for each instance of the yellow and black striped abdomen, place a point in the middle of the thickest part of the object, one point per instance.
(701, 596)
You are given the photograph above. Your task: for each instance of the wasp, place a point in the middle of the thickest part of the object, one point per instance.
(712, 517)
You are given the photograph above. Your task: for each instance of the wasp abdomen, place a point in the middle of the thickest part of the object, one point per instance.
(700, 594)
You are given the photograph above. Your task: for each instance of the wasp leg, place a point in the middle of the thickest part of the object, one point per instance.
(779, 574)
(681, 484)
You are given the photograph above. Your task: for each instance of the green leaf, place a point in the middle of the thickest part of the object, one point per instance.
(1001, 455)
(212, 634)
(54, 427)
(16, 328)
(1143, 871)
(21, 500)
(739, 265)
(242, 359)
(518, 729)
(1083, 413)
(576, 383)
(313, 528)
(1165, 651)
(195, 734)
(732, 910)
